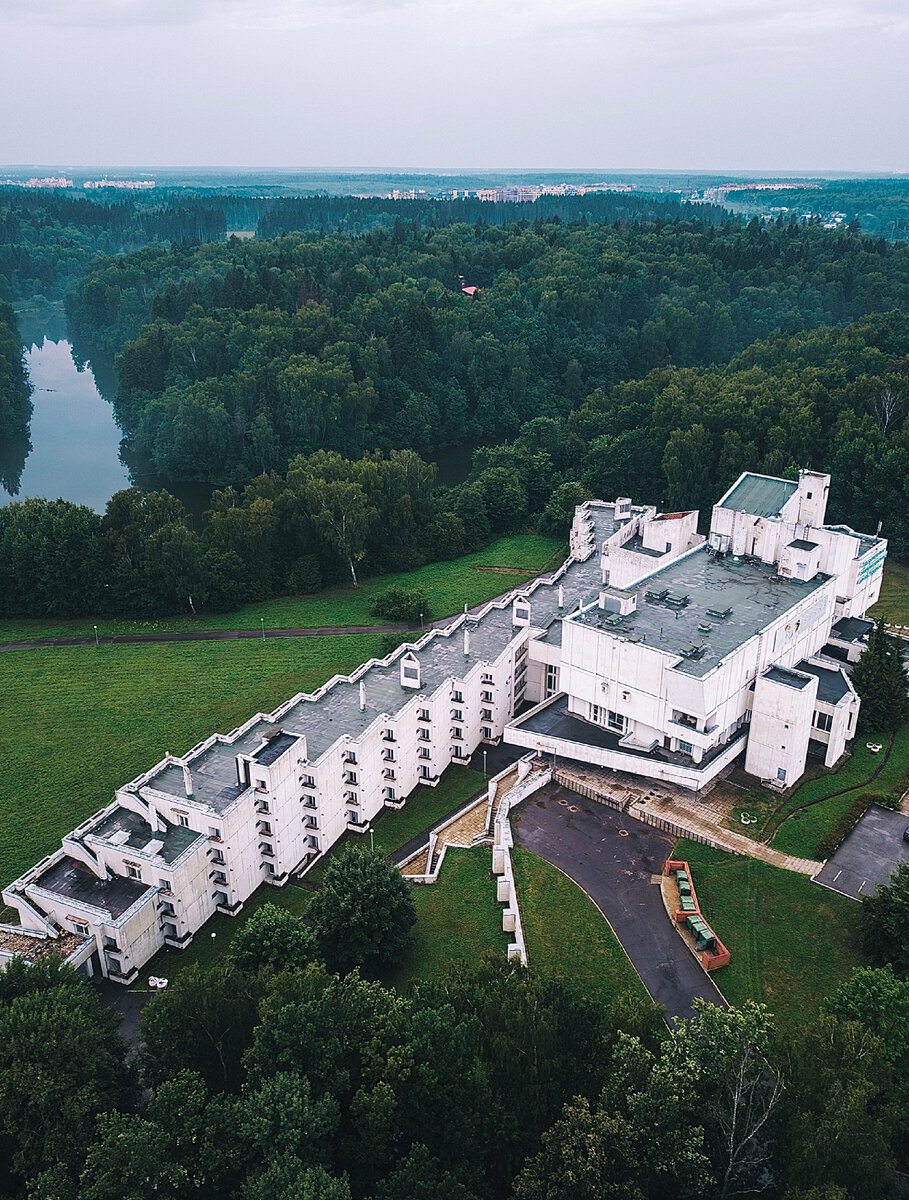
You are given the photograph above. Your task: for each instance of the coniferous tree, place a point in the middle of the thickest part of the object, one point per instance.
(880, 679)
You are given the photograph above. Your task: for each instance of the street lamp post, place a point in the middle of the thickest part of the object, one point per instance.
(262, 623)
(484, 765)
(97, 643)
(372, 838)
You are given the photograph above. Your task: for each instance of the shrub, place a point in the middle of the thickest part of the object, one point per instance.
(401, 604)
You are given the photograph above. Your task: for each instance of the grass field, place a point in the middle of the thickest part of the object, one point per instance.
(568, 938)
(893, 604)
(449, 585)
(457, 918)
(801, 833)
(78, 722)
(791, 941)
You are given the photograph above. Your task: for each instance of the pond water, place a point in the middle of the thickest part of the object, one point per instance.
(75, 450)
(75, 440)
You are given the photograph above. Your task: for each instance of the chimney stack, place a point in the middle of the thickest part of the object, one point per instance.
(362, 696)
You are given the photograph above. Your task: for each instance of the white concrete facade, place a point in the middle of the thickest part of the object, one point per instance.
(648, 651)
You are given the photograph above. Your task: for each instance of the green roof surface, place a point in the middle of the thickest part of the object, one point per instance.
(760, 495)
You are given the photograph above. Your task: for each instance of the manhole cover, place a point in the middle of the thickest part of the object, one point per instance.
(623, 833)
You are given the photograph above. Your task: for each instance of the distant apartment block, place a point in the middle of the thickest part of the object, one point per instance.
(653, 650)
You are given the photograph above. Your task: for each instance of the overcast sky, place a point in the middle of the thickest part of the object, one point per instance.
(379, 84)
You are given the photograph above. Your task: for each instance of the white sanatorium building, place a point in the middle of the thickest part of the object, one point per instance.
(652, 650)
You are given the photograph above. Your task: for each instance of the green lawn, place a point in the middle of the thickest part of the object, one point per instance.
(77, 722)
(791, 942)
(457, 918)
(893, 604)
(800, 834)
(567, 936)
(449, 586)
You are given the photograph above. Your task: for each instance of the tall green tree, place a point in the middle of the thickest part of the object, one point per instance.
(882, 683)
(364, 913)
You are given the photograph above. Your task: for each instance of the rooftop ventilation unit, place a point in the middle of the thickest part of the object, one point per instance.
(656, 597)
(704, 627)
(693, 651)
(677, 601)
(719, 614)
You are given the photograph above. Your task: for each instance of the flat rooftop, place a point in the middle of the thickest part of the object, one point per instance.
(72, 880)
(752, 594)
(128, 831)
(337, 711)
(831, 684)
(760, 495)
(851, 629)
(786, 677)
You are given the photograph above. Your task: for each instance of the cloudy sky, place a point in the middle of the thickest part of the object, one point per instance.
(379, 84)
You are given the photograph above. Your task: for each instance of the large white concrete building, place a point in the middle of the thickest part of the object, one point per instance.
(653, 650)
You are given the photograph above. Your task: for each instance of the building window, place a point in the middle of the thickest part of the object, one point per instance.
(552, 681)
(616, 721)
(457, 734)
(164, 886)
(424, 772)
(133, 872)
(824, 721)
(261, 785)
(781, 774)
(307, 781)
(457, 714)
(685, 747)
(389, 793)
(423, 714)
(183, 819)
(389, 755)
(313, 842)
(423, 735)
(350, 757)
(849, 722)
(423, 751)
(486, 714)
(80, 928)
(457, 697)
(486, 732)
(350, 777)
(487, 697)
(214, 831)
(486, 677)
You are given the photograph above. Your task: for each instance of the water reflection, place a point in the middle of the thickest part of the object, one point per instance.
(75, 441)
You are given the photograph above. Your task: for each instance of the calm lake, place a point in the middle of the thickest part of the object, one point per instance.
(75, 440)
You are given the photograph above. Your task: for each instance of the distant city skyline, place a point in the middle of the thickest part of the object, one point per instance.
(697, 86)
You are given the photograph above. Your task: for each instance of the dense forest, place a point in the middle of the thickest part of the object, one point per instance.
(267, 1077)
(237, 357)
(47, 238)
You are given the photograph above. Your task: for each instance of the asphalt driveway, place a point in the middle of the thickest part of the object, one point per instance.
(616, 859)
(868, 856)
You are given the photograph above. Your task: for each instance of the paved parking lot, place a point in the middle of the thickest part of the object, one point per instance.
(868, 856)
(617, 861)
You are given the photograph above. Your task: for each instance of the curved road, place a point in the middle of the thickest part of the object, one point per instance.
(616, 859)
